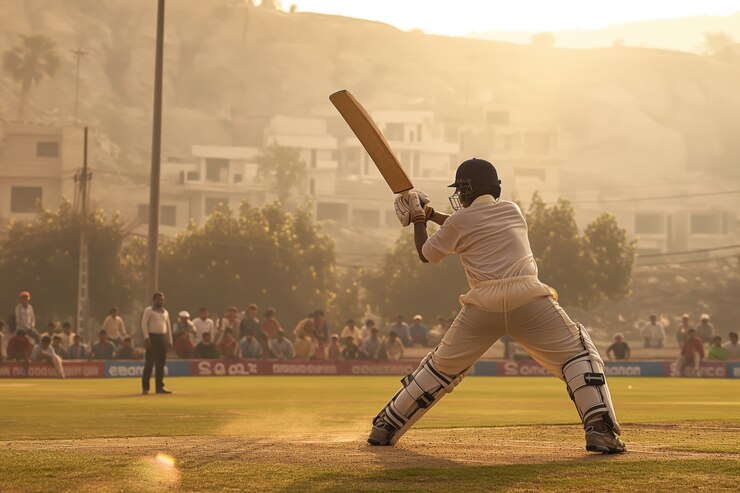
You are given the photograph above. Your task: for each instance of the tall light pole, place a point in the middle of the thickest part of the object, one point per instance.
(82, 196)
(79, 53)
(152, 240)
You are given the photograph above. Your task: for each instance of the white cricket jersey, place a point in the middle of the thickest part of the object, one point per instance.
(491, 239)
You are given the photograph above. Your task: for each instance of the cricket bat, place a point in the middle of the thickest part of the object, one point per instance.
(371, 138)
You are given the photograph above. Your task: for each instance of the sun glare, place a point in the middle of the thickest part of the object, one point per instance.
(471, 16)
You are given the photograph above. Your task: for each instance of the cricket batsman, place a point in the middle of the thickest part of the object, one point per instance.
(505, 298)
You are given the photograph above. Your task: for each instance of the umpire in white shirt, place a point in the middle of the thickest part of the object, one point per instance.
(157, 330)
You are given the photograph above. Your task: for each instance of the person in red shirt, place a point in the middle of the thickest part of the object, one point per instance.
(19, 347)
(183, 345)
(271, 325)
(692, 354)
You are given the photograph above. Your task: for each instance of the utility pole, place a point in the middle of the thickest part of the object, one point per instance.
(79, 53)
(152, 240)
(82, 181)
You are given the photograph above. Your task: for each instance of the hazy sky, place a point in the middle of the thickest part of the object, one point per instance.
(460, 17)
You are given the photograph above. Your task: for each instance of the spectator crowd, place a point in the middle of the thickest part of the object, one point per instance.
(236, 334)
(249, 335)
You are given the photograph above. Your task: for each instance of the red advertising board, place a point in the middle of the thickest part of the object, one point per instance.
(72, 369)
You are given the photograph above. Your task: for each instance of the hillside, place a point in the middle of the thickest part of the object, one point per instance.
(649, 113)
(683, 33)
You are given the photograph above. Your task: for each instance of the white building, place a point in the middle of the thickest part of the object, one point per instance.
(192, 190)
(526, 154)
(37, 167)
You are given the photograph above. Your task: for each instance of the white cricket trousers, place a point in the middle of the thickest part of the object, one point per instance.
(541, 326)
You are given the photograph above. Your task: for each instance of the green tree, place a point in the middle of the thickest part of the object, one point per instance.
(283, 166)
(43, 257)
(614, 255)
(584, 269)
(262, 255)
(28, 63)
(403, 284)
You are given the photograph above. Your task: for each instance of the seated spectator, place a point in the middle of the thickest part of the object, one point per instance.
(350, 350)
(281, 347)
(653, 333)
(353, 331)
(717, 351)
(19, 346)
(401, 328)
(334, 351)
(127, 350)
(367, 329)
(231, 321)
(67, 335)
(305, 326)
(185, 326)
(371, 347)
(44, 352)
(56, 345)
(51, 329)
(692, 353)
(250, 346)
(77, 350)
(619, 349)
(271, 325)
(114, 327)
(202, 324)
(393, 347)
(683, 329)
(251, 321)
(227, 345)
(206, 349)
(418, 332)
(305, 347)
(103, 349)
(705, 329)
(184, 347)
(732, 346)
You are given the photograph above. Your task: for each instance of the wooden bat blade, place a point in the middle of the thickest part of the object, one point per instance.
(371, 138)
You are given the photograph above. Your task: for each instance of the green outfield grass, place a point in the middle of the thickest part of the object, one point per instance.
(271, 433)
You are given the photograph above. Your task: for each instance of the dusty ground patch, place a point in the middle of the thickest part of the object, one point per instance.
(456, 447)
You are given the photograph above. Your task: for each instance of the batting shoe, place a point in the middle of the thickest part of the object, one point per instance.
(381, 434)
(601, 438)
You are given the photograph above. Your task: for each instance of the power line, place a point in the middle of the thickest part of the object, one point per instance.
(662, 197)
(689, 252)
(684, 262)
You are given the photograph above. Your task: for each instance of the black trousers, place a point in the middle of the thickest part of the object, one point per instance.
(155, 357)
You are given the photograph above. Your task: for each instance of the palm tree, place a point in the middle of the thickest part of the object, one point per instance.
(28, 63)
